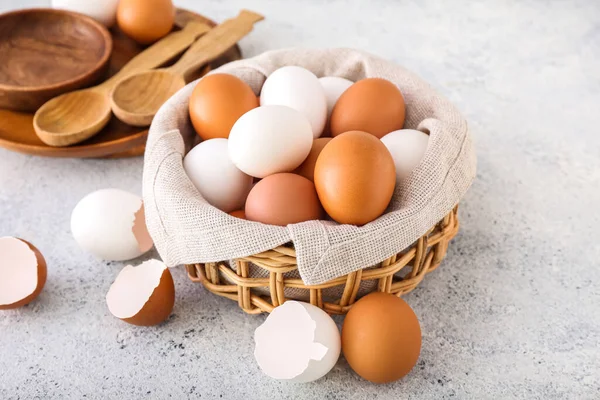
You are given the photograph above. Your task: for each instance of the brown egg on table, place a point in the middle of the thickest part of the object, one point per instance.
(217, 102)
(307, 168)
(381, 338)
(372, 105)
(241, 214)
(355, 178)
(22, 273)
(283, 199)
(146, 21)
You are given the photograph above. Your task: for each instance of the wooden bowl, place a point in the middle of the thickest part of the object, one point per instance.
(116, 139)
(46, 52)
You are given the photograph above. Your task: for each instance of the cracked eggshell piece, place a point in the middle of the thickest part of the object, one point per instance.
(142, 295)
(22, 273)
(298, 342)
(110, 224)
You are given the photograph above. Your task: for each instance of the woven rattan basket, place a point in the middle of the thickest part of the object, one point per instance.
(327, 264)
(398, 274)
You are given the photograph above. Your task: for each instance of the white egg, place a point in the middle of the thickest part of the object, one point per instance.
(299, 89)
(110, 224)
(408, 147)
(217, 179)
(270, 139)
(103, 11)
(334, 86)
(298, 342)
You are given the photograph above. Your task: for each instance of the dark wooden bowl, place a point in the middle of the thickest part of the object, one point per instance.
(46, 52)
(116, 139)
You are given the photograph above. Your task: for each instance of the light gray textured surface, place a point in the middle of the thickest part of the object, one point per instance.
(514, 312)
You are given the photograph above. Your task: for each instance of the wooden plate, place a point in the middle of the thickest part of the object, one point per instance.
(46, 53)
(116, 139)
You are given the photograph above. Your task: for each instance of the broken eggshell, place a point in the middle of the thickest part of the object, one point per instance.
(142, 295)
(298, 342)
(22, 273)
(110, 224)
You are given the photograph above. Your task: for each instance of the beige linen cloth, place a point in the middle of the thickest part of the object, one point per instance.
(186, 229)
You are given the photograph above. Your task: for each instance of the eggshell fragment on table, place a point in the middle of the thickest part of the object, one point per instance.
(110, 224)
(217, 179)
(300, 89)
(407, 147)
(142, 295)
(298, 342)
(23, 273)
(270, 139)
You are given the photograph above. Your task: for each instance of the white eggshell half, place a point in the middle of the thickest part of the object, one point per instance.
(103, 11)
(133, 287)
(18, 270)
(104, 223)
(270, 139)
(299, 89)
(408, 146)
(333, 86)
(217, 179)
(298, 342)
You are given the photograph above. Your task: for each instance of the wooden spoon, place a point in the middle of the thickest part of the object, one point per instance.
(136, 100)
(76, 116)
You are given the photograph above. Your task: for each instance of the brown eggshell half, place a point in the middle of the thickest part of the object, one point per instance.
(381, 338)
(372, 105)
(158, 305)
(41, 278)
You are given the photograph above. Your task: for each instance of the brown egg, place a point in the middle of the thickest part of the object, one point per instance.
(355, 178)
(283, 199)
(217, 102)
(381, 338)
(307, 168)
(238, 214)
(372, 105)
(146, 21)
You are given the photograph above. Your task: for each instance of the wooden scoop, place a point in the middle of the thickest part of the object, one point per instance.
(76, 116)
(136, 100)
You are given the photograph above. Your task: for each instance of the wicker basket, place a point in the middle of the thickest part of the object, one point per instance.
(398, 275)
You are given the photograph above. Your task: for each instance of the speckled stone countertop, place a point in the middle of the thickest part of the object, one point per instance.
(513, 312)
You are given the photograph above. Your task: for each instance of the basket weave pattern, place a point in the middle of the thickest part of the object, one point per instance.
(398, 274)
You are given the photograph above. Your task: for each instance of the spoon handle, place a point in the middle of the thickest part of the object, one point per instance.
(216, 42)
(159, 53)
